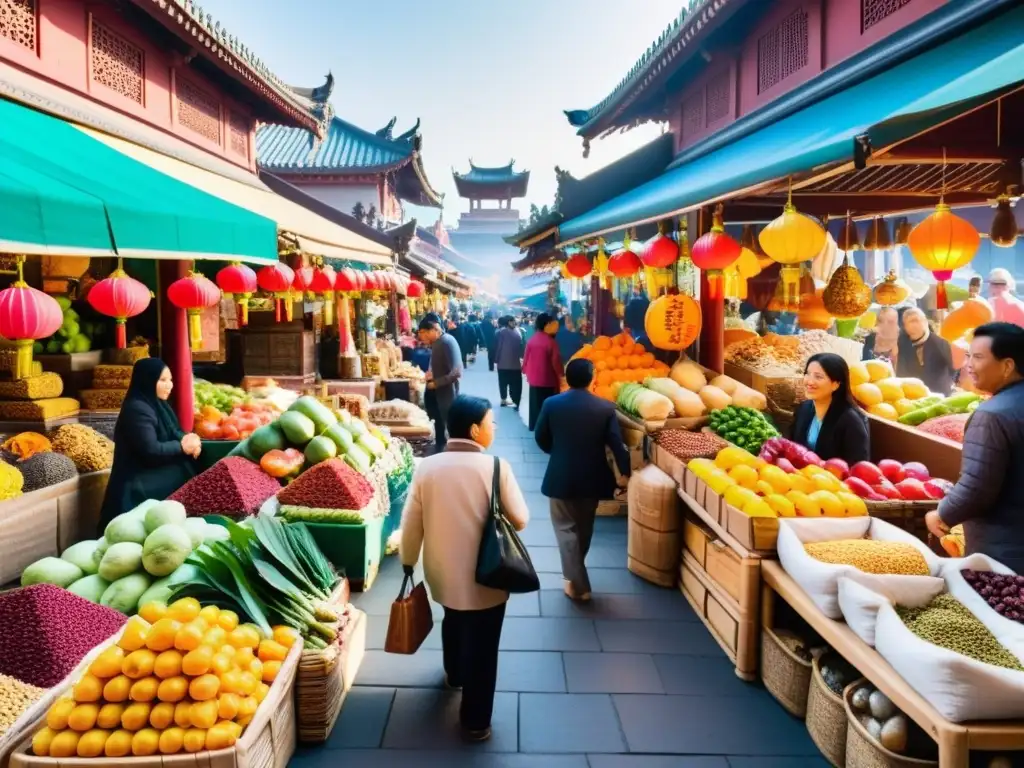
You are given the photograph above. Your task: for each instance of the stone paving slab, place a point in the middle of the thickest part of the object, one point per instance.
(568, 722)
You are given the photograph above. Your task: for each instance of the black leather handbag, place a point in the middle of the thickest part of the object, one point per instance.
(503, 562)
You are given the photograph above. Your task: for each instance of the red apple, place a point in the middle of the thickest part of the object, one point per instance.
(859, 487)
(813, 459)
(912, 490)
(892, 470)
(868, 472)
(888, 490)
(785, 465)
(838, 467)
(916, 470)
(937, 488)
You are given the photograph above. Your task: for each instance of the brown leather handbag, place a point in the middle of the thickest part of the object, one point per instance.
(411, 619)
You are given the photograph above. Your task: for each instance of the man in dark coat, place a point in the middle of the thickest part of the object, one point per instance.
(577, 428)
(924, 355)
(444, 374)
(488, 331)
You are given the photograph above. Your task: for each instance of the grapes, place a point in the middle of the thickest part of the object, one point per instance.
(1004, 593)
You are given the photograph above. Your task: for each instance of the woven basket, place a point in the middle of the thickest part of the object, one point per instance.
(864, 752)
(907, 515)
(826, 718)
(324, 679)
(786, 676)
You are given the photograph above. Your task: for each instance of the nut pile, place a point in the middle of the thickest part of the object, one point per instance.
(43, 386)
(103, 399)
(813, 342)
(46, 469)
(871, 556)
(686, 445)
(947, 623)
(38, 410)
(90, 450)
(15, 698)
(761, 355)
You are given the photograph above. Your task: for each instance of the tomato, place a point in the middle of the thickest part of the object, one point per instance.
(208, 430)
(229, 432)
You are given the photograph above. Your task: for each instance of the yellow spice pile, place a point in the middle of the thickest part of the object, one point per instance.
(870, 556)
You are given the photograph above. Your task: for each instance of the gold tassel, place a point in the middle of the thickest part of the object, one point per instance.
(195, 329)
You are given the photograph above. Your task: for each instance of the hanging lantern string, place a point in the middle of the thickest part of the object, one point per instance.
(942, 194)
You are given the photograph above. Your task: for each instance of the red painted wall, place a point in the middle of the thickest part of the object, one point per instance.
(62, 55)
(843, 22)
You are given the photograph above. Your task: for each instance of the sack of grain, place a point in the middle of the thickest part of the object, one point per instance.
(861, 595)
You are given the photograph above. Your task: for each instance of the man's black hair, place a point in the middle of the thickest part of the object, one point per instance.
(1007, 342)
(579, 373)
(466, 411)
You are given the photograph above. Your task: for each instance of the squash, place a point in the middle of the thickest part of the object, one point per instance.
(966, 317)
(725, 383)
(868, 395)
(687, 404)
(890, 388)
(745, 397)
(714, 398)
(688, 374)
(878, 369)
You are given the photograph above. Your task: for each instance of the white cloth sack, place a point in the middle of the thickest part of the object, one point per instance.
(862, 594)
(1008, 632)
(821, 580)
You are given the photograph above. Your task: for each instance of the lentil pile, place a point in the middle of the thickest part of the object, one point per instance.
(947, 623)
(871, 556)
(332, 484)
(686, 445)
(15, 698)
(45, 631)
(46, 469)
(234, 487)
(951, 427)
(90, 450)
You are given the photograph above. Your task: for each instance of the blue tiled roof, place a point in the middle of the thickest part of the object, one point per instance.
(345, 148)
(499, 175)
(484, 181)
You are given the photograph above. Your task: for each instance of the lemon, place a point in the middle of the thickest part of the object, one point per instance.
(700, 467)
(853, 505)
(829, 503)
(738, 496)
(827, 482)
(758, 508)
(731, 456)
(783, 507)
(776, 477)
(800, 483)
(764, 488)
(804, 504)
(719, 481)
(744, 475)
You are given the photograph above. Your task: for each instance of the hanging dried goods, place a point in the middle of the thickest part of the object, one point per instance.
(947, 623)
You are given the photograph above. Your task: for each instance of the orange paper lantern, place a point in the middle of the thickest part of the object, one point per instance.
(942, 244)
(578, 266)
(673, 322)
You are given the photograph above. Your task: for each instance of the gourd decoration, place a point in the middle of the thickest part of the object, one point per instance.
(277, 279)
(673, 321)
(26, 315)
(194, 293)
(846, 296)
(120, 297)
(322, 286)
(942, 244)
(812, 314)
(1004, 230)
(890, 290)
(714, 252)
(578, 266)
(968, 316)
(238, 282)
(415, 289)
(790, 240)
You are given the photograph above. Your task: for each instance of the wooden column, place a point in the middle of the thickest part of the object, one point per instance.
(712, 332)
(174, 345)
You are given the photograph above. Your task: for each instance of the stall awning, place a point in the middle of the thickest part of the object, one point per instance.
(64, 193)
(903, 102)
(315, 234)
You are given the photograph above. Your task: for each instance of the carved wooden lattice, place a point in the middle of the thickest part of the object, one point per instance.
(18, 22)
(693, 115)
(198, 110)
(117, 63)
(239, 126)
(782, 51)
(718, 94)
(874, 11)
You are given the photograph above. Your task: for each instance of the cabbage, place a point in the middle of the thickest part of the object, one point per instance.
(196, 527)
(127, 527)
(81, 554)
(123, 595)
(165, 549)
(165, 513)
(120, 560)
(158, 592)
(51, 570)
(90, 587)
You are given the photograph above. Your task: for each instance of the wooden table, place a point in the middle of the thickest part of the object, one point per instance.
(955, 740)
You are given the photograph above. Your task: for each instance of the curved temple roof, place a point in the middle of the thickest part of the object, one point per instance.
(492, 182)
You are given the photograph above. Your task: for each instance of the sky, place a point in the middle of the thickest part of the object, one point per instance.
(489, 80)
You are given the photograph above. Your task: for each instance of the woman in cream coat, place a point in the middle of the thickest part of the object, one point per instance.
(449, 503)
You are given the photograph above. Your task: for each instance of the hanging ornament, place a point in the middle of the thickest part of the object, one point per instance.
(194, 293)
(601, 265)
(416, 289)
(120, 297)
(890, 290)
(277, 279)
(846, 296)
(902, 232)
(345, 281)
(749, 241)
(790, 240)
(942, 244)
(813, 316)
(661, 251)
(563, 270)
(849, 237)
(715, 252)
(673, 322)
(624, 263)
(1003, 230)
(877, 236)
(238, 282)
(322, 286)
(27, 315)
(578, 266)
(733, 286)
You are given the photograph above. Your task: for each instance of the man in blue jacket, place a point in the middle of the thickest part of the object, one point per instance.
(577, 428)
(444, 374)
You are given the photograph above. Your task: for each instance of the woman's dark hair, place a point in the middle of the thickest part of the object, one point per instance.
(837, 370)
(466, 411)
(579, 373)
(1007, 342)
(542, 319)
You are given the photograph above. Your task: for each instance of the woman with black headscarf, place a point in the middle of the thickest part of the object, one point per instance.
(153, 457)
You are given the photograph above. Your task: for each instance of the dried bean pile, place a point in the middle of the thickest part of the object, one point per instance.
(45, 469)
(45, 631)
(332, 484)
(90, 450)
(686, 445)
(15, 698)
(947, 623)
(234, 487)
(871, 556)
(951, 427)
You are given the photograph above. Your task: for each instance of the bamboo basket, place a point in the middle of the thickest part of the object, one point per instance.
(826, 718)
(864, 752)
(786, 676)
(907, 515)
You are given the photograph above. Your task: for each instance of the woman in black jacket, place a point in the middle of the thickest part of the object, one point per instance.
(828, 422)
(153, 457)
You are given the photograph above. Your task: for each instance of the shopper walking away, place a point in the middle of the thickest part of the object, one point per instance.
(444, 374)
(489, 331)
(542, 365)
(986, 499)
(924, 355)
(576, 428)
(508, 357)
(447, 508)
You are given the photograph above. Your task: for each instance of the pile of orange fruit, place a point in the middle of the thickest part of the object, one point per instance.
(619, 359)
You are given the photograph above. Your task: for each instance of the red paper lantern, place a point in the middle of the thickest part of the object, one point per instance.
(120, 297)
(322, 284)
(303, 280)
(346, 281)
(239, 282)
(415, 290)
(277, 279)
(578, 266)
(194, 293)
(714, 252)
(661, 252)
(370, 281)
(624, 264)
(26, 315)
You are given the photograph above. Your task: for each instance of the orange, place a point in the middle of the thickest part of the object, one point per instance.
(602, 343)
(601, 365)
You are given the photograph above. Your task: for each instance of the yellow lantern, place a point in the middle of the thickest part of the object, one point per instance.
(790, 240)
(942, 244)
(673, 322)
(601, 265)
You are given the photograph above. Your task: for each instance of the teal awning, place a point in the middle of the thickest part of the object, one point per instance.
(896, 105)
(63, 192)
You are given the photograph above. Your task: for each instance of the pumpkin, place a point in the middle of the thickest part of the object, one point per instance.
(968, 316)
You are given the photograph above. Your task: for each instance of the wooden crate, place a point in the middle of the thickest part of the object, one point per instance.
(271, 352)
(667, 463)
(737, 575)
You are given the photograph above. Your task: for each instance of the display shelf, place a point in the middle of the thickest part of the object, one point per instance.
(717, 528)
(955, 740)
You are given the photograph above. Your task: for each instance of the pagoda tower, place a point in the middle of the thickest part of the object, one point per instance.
(490, 217)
